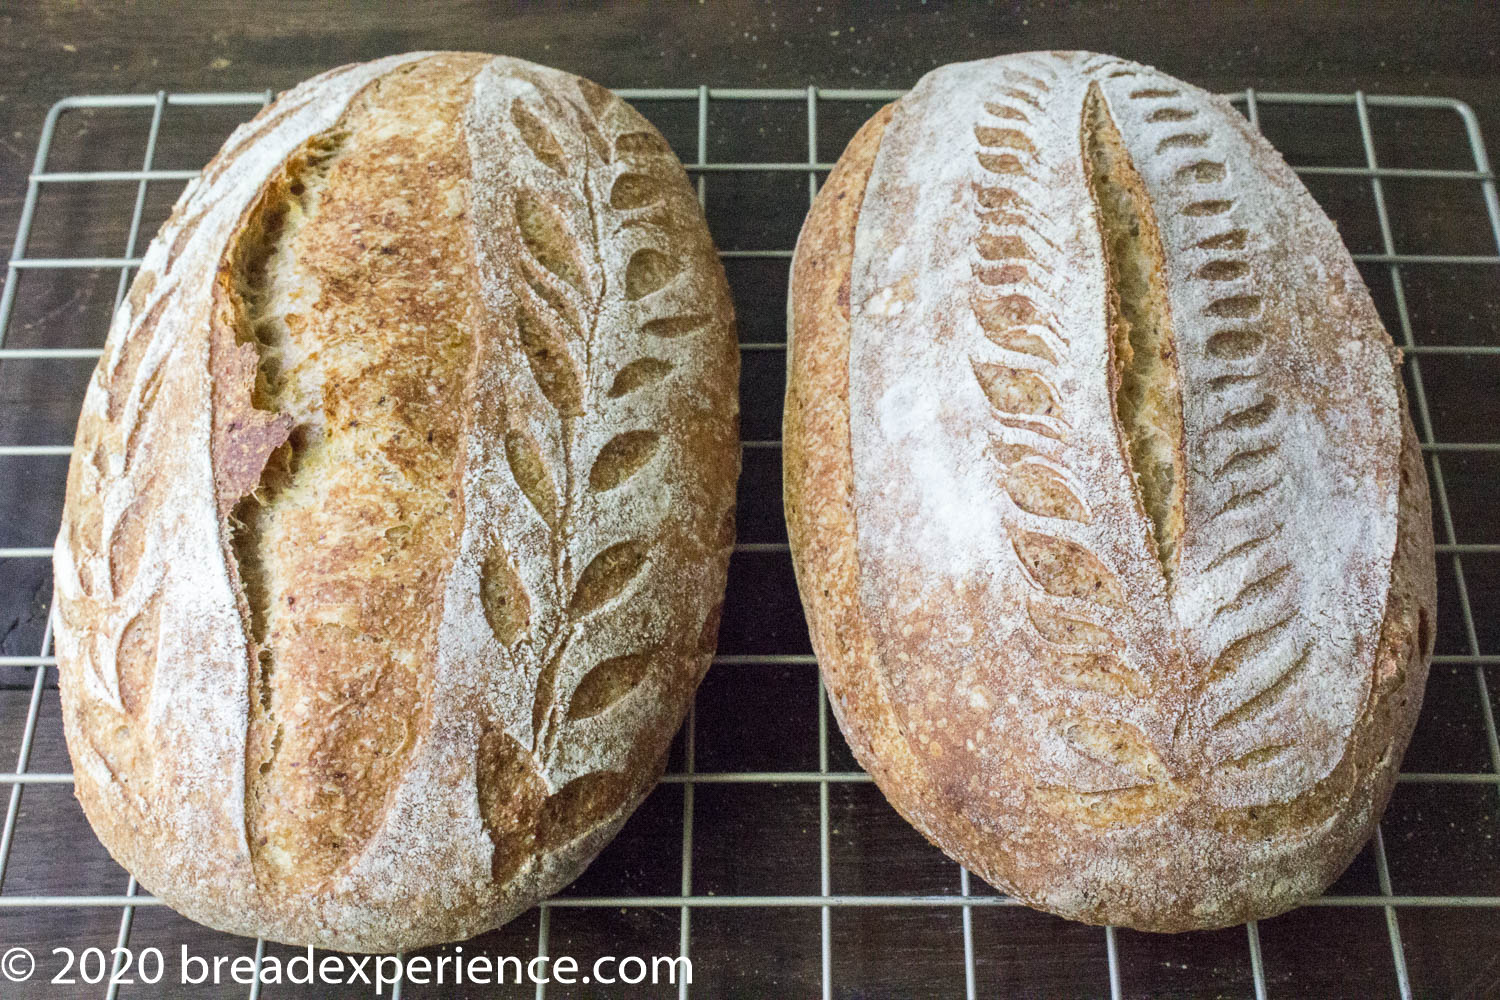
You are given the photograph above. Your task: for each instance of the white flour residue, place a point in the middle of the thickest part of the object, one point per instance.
(980, 346)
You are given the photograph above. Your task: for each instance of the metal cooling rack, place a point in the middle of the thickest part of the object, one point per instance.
(804, 103)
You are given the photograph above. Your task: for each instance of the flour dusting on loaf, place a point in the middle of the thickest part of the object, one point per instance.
(1137, 519)
(401, 506)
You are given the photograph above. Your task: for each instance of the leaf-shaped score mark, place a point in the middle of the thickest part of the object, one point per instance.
(1236, 343)
(146, 401)
(1065, 630)
(1261, 689)
(580, 806)
(606, 684)
(1003, 246)
(622, 457)
(1006, 111)
(511, 794)
(1249, 647)
(551, 291)
(1112, 808)
(1080, 654)
(111, 749)
(639, 374)
(632, 191)
(552, 364)
(1004, 138)
(636, 144)
(607, 577)
(997, 196)
(1063, 568)
(507, 608)
(675, 326)
(549, 240)
(531, 474)
(1005, 164)
(599, 99)
(649, 271)
(1039, 490)
(127, 544)
(1115, 744)
(1003, 312)
(1102, 672)
(135, 657)
(998, 319)
(1274, 754)
(538, 137)
(1016, 391)
(1007, 452)
(1021, 397)
(133, 352)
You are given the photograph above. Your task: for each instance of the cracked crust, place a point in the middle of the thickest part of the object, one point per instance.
(1166, 855)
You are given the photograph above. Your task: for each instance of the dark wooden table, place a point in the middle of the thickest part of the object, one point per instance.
(1442, 839)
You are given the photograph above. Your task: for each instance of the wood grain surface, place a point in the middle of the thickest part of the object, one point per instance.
(753, 839)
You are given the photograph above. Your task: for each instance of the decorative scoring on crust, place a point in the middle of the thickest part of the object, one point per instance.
(1031, 641)
(160, 769)
(592, 459)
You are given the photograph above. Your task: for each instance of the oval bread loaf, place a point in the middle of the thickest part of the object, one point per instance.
(1108, 517)
(400, 508)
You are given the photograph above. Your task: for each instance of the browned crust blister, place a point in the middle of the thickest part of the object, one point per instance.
(457, 386)
(1152, 885)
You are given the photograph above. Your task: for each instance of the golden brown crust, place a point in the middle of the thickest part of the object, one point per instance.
(818, 495)
(1317, 833)
(817, 474)
(394, 548)
(377, 310)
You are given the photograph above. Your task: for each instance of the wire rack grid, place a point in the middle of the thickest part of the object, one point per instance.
(37, 674)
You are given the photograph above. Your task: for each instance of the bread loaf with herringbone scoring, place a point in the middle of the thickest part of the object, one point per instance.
(1107, 512)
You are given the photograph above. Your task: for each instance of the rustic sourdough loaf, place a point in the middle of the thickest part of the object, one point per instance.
(1109, 521)
(400, 508)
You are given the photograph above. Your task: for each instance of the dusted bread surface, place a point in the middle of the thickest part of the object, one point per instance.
(401, 507)
(1108, 518)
